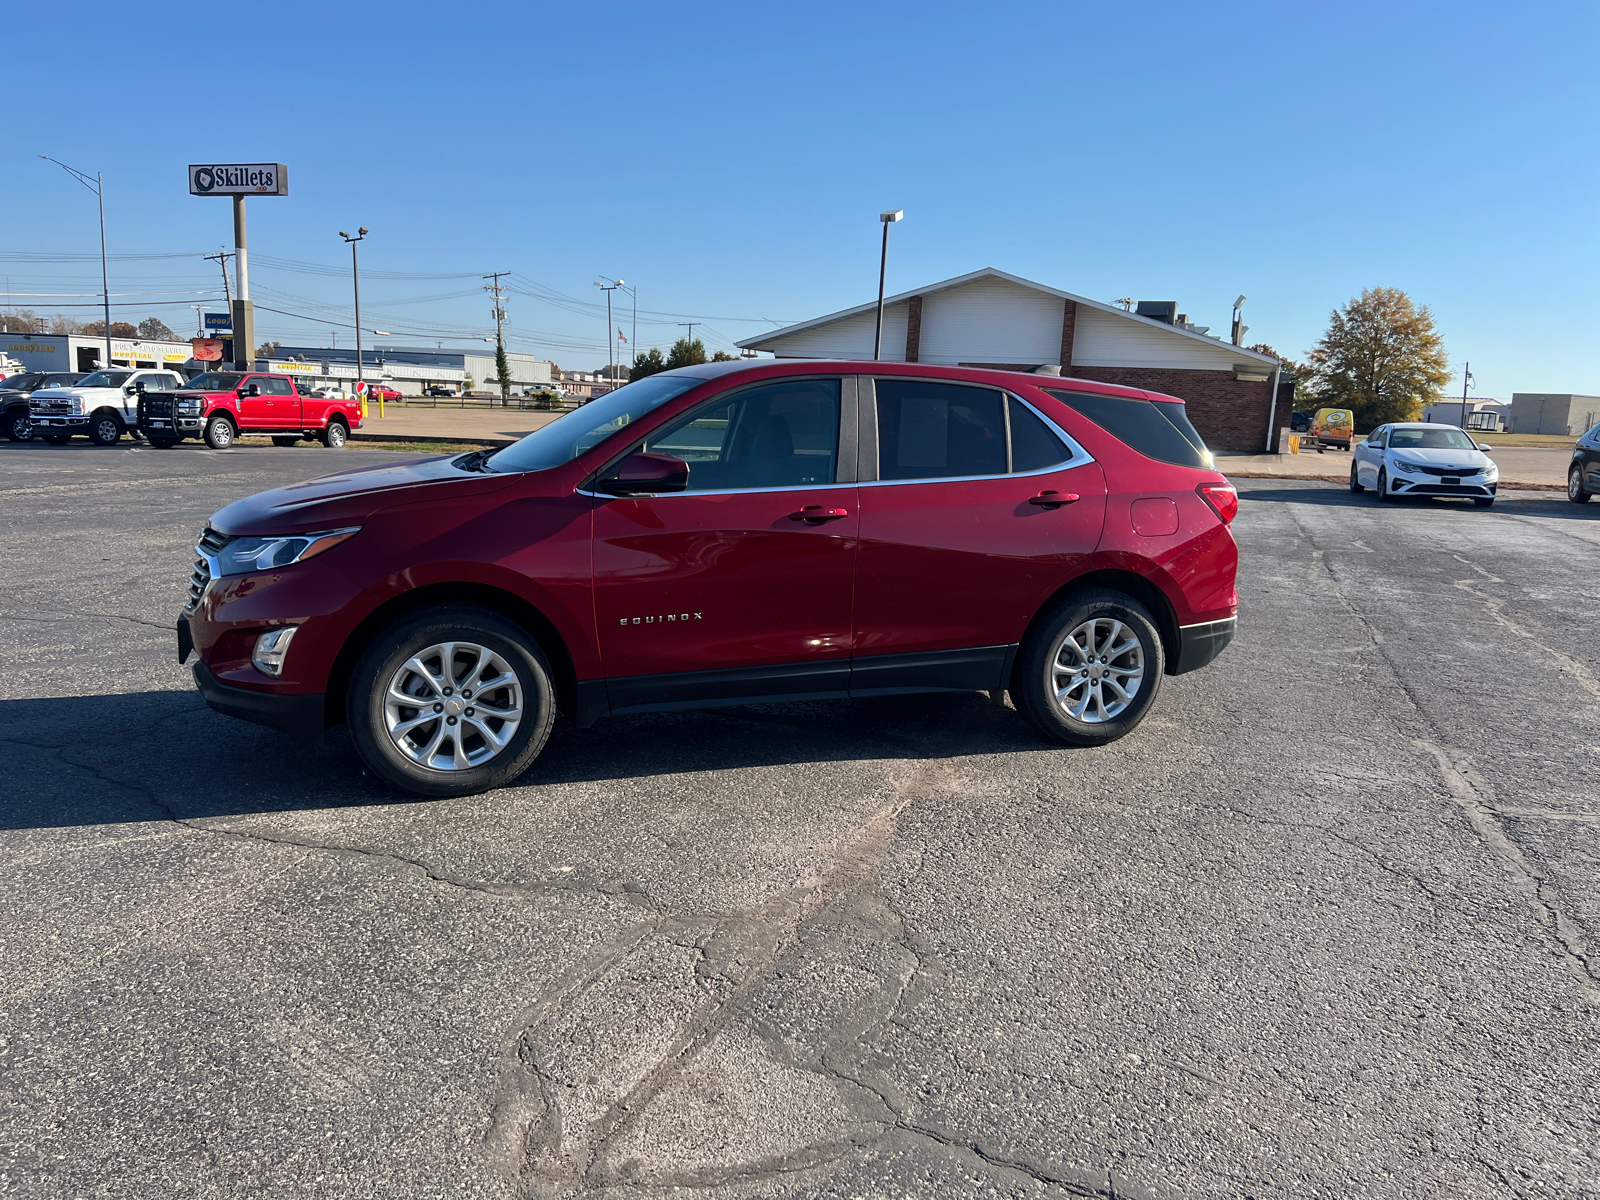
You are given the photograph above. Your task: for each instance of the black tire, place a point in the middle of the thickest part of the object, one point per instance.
(105, 429)
(335, 435)
(1576, 492)
(58, 439)
(1483, 501)
(19, 428)
(1355, 480)
(162, 443)
(386, 656)
(1382, 487)
(285, 439)
(1035, 676)
(220, 433)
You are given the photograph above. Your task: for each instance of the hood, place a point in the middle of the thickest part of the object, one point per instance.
(69, 392)
(1441, 458)
(350, 497)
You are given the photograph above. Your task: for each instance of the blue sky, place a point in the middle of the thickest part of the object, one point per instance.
(731, 160)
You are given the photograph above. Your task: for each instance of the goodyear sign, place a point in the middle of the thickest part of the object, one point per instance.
(238, 179)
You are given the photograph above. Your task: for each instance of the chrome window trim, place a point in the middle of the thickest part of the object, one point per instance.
(798, 487)
(1080, 456)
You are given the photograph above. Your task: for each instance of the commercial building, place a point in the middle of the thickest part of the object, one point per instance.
(992, 319)
(79, 352)
(408, 369)
(1564, 414)
(1482, 414)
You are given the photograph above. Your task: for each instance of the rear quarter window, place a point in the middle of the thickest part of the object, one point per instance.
(1156, 429)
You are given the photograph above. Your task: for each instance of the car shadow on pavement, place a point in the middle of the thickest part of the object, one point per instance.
(1520, 504)
(153, 756)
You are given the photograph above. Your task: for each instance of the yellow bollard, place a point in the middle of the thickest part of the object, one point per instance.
(380, 406)
(1294, 443)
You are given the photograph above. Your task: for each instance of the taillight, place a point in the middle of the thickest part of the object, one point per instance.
(1222, 498)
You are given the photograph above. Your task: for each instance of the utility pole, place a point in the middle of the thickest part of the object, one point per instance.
(355, 275)
(1466, 378)
(689, 337)
(611, 330)
(498, 292)
(221, 258)
(199, 320)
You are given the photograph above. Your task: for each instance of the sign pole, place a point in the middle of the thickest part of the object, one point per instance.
(244, 317)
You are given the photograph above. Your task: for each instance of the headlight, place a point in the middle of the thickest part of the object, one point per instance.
(247, 554)
(270, 650)
(1489, 472)
(1406, 468)
(77, 406)
(189, 405)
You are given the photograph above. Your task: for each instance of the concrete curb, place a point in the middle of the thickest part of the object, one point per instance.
(486, 440)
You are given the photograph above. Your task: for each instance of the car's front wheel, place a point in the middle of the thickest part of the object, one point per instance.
(105, 429)
(1355, 480)
(19, 427)
(162, 443)
(1089, 669)
(219, 433)
(288, 439)
(1576, 492)
(450, 701)
(1382, 486)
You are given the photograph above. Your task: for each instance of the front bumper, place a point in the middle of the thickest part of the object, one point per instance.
(300, 716)
(73, 423)
(1199, 644)
(1433, 485)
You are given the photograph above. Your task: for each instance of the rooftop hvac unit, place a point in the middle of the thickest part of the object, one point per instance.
(1165, 311)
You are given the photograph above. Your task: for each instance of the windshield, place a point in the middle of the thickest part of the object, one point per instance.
(24, 383)
(107, 379)
(212, 381)
(1441, 438)
(568, 436)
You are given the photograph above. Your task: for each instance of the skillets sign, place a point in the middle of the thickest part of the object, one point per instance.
(238, 179)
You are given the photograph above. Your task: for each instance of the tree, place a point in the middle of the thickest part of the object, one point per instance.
(724, 356)
(23, 320)
(156, 330)
(502, 368)
(265, 350)
(1381, 358)
(686, 353)
(61, 323)
(119, 329)
(648, 364)
(1300, 373)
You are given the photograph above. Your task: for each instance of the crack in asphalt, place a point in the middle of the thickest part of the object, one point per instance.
(1483, 818)
(78, 616)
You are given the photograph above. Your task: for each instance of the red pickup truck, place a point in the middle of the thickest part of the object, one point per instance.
(221, 405)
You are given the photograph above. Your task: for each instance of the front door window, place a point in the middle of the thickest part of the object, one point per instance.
(752, 566)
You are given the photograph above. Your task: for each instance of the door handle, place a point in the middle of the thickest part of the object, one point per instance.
(1054, 499)
(815, 514)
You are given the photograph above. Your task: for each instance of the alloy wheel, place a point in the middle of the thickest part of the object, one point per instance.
(1097, 670)
(453, 706)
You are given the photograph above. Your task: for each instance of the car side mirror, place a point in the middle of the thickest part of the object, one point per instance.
(646, 473)
(1485, 447)
(136, 388)
(250, 389)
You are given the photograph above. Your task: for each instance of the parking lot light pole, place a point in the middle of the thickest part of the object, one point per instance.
(98, 188)
(355, 275)
(611, 341)
(888, 219)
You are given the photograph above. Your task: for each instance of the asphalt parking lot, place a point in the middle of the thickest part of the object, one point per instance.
(1324, 926)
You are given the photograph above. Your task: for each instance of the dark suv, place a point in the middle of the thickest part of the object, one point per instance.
(15, 421)
(728, 534)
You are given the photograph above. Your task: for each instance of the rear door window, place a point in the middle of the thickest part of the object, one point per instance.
(276, 385)
(1156, 429)
(930, 430)
(1034, 445)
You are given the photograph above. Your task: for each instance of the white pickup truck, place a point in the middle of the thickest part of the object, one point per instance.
(103, 405)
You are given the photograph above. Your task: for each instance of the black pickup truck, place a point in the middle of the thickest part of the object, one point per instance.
(14, 393)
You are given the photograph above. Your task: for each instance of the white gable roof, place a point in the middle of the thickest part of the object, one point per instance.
(995, 317)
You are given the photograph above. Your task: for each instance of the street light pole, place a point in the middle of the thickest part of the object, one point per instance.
(355, 275)
(633, 295)
(98, 188)
(611, 339)
(888, 219)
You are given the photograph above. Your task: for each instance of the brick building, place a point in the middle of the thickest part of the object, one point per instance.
(992, 319)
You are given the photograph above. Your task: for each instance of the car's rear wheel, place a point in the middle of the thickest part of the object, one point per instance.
(450, 701)
(285, 439)
(1355, 480)
(1576, 492)
(58, 439)
(104, 429)
(1089, 668)
(220, 433)
(335, 435)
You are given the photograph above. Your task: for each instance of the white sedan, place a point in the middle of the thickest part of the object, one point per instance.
(1417, 459)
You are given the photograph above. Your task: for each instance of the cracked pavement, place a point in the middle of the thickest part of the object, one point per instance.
(1325, 926)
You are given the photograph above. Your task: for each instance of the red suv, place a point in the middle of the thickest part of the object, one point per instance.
(730, 533)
